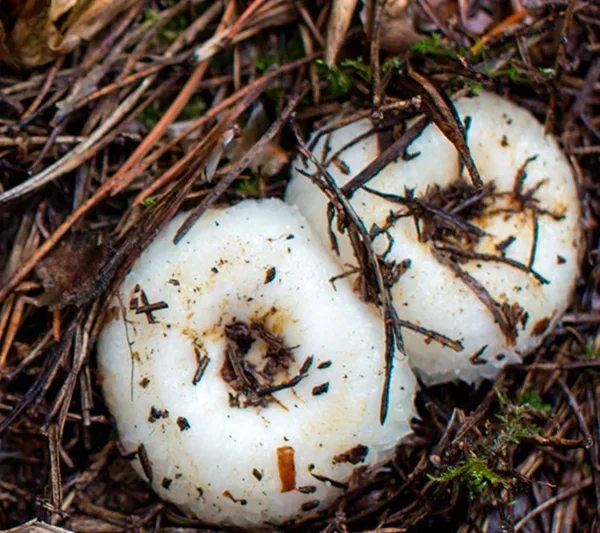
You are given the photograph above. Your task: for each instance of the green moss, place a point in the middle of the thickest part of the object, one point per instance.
(177, 25)
(339, 81)
(474, 86)
(478, 468)
(193, 109)
(474, 473)
(513, 73)
(533, 399)
(515, 422)
(148, 202)
(151, 115)
(341, 77)
(436, 45)
(359, 67)
(392, 63)
(513, 432)
(248, 187)
(151, 16)
(548, 72)
(264, 62)
(590, 351)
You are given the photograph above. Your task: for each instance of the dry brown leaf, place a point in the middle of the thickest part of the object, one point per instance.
(397, 32)
(72, 272)
(58, 8)
(404, 22)
(39, 31)
(339, 22)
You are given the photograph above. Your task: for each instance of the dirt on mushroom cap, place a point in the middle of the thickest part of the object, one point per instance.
(466, 286)
(291, 361)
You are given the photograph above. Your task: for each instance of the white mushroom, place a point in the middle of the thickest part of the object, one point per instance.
(499, 282)
(201, 387)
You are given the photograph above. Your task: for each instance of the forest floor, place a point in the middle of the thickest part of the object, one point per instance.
(99, 147)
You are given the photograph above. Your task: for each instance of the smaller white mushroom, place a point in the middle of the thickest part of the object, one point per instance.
(494, 271)
(247, 383)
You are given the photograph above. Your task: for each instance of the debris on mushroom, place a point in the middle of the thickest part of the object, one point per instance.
(493, 269)
(244, 380)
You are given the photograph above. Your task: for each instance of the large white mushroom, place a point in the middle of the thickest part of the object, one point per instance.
(493, 270)
(247, 383)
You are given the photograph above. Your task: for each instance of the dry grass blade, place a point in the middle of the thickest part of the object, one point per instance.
(568, 493)
(49, 370)
(339, 22)
(174, 109)
(35, 526)
(375, 49)
(79, 154)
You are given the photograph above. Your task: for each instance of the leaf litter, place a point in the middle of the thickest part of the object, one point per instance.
(90, 170)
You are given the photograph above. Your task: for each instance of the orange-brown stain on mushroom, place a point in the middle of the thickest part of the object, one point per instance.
(111, 314)
(287, 468)
(276, 319)
(541, 326)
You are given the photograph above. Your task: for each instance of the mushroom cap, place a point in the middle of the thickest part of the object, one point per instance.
(248, 286)
(502, 138)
